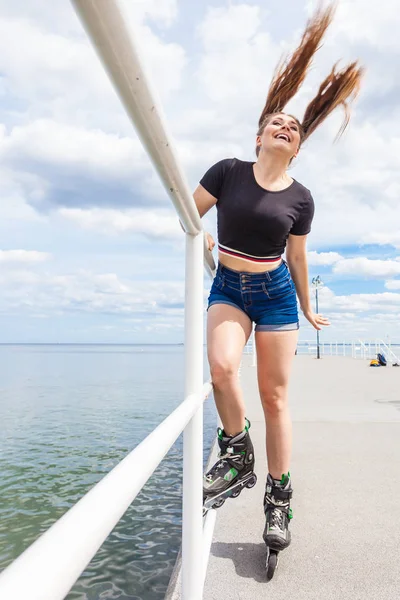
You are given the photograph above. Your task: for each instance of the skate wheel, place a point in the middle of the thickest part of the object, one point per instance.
(252, 482)
(236, 493)
(218, 503)
(272, 563)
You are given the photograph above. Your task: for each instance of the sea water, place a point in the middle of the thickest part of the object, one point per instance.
(69, 414)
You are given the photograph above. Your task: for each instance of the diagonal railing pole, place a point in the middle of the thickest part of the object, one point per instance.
(120, 55)
(118, 50)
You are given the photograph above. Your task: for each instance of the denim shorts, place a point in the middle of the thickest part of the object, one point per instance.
(268, 298)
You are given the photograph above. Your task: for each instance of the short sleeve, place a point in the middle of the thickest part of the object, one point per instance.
(302, 225)
(213, 179)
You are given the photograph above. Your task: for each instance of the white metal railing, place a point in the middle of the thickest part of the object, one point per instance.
(369, 350)
(354, 349)
(51, 565)
(119, 53)
(309, 347)
(388, 352)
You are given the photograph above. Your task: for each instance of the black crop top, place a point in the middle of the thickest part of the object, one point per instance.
(254, 223)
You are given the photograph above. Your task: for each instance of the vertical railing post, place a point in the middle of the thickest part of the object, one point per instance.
(192, 523)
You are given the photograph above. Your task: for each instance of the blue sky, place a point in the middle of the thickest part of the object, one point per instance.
(91, 250)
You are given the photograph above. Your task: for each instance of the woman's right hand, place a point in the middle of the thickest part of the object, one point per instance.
(210, 241)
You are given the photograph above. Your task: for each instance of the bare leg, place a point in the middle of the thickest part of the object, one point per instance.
(275, 353)
(228, 330)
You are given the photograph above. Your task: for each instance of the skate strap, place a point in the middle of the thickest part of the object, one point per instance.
(229, 452)
(279, 489)
(276, 495)
(274, 503)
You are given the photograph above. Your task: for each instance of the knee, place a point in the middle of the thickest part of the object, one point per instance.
(274, 401)
(222, 372)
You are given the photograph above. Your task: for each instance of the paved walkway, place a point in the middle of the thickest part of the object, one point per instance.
(346, 478)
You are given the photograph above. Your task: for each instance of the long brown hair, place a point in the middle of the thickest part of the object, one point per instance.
(339, 88)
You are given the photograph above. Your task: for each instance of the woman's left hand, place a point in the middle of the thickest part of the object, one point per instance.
(316, 320)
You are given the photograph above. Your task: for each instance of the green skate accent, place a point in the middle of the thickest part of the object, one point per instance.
(290, 515)
(231, 474)
(221, 431)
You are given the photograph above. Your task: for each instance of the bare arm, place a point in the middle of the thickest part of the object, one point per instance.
(204, 200)
(296, 256)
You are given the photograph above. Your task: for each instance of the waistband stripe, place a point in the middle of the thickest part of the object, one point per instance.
(250, 257)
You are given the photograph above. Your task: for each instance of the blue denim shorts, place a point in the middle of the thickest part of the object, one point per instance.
(268, 298)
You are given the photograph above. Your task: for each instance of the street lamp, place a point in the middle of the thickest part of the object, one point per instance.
(316, 283)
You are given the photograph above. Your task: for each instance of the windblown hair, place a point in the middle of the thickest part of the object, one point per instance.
(339, 88)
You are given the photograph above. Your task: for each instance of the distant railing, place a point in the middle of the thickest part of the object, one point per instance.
(353, 349)
(309, 347)
(369, 350)
(49, 567)
(336, 348)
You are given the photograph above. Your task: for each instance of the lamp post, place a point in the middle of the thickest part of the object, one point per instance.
(316, 283)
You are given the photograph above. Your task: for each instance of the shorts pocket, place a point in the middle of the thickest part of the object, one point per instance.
(276, 291)
(219, 282)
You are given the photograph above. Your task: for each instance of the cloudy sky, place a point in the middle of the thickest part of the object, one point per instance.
(91, 250)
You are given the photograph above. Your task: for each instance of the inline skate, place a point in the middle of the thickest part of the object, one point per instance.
(232, 472)
(278, 514)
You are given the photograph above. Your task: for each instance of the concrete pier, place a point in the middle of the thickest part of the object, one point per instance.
(346, 480)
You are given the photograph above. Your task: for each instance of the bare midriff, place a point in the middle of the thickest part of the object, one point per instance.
(249, 266)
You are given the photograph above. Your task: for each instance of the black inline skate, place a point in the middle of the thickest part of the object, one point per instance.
(232, 472)
(278, 515)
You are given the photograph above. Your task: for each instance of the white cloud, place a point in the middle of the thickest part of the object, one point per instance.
(238, 60)
(222, 24)
(354, 316)
(367, 21)
(60, 16)
(358, 303)
(391, 238)
(64, 122)
(159, 225)
(393, 284)
(353, 186)
(365, 267)
(16, 188)
(238, 55)
(94, 152)
(59, 73)
(164, 12)
(87, 292)
(323, 258)
(48, 64)
(23, 256)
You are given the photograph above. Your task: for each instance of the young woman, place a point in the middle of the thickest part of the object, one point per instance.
(262, 212)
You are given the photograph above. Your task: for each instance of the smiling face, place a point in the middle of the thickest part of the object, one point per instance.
(281, 133)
